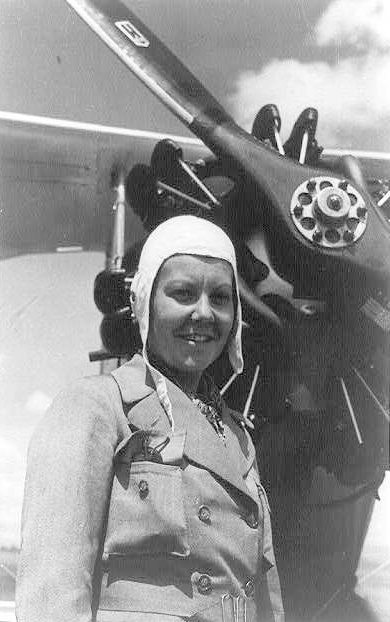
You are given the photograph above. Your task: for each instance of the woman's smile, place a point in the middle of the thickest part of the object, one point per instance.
(197, 337)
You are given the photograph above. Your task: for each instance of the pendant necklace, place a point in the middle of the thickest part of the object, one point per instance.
(206, 398)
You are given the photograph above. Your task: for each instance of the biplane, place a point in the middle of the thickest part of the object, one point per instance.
(311, 228)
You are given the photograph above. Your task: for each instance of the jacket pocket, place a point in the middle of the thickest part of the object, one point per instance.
(146, 513)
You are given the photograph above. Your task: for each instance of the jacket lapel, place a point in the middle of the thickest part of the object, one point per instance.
(229, 460)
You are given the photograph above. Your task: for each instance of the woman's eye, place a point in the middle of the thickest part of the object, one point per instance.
(221, 298)
(182, 295)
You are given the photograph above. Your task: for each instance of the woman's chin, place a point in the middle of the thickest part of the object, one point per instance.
(196, 364)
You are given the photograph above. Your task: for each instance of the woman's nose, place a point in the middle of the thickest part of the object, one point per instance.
(202, 309)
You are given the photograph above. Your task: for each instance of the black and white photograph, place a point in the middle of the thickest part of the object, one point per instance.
(195, 310)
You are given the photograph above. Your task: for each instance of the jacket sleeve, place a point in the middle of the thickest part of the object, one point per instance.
(68, 481)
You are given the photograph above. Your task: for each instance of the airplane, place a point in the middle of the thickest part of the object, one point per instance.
(322, 394)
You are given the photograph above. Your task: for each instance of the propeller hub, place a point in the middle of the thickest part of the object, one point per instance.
(332, 205)
(329, 212)
(334, 202)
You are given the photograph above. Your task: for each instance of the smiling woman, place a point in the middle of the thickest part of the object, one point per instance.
(143, 500)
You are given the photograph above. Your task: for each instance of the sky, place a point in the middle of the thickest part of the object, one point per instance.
(347, 79)
(330, 54)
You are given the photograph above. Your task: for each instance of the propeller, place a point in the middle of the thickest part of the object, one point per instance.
(275, 184)
(324, 234)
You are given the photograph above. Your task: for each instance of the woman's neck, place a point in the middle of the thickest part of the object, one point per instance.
(188, 382)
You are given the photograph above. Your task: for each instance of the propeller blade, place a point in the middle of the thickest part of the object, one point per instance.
(148, 58)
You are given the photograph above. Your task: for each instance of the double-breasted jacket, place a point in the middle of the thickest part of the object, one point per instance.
(126, 520)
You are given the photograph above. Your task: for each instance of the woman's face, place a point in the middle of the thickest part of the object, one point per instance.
(191, 314)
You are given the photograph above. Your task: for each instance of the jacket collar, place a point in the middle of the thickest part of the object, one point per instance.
(134, 380)
(202, 444)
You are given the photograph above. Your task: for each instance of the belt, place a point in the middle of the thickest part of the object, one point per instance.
(233, 608)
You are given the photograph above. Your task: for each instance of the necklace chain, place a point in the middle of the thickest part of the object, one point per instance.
(212, 415)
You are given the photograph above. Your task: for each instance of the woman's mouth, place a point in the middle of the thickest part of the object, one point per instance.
(196, 337)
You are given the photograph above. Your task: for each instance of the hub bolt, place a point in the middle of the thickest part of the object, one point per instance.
(317, 236)
(348, 236)
(334, 202)
(298, 211)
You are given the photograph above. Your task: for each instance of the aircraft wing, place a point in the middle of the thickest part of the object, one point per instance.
(375, 165)
(55, 192)
(55, 180)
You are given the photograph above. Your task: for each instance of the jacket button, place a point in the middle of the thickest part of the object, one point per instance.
(143, 488)
(204, 514)
(251, 520)
(204, 584)
(249, 588)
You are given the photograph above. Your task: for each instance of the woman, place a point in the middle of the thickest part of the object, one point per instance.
(143, 502)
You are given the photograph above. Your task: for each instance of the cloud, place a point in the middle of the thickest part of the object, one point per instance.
(363, 24)
(351, 95)
(12, 470)
(37, 403)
